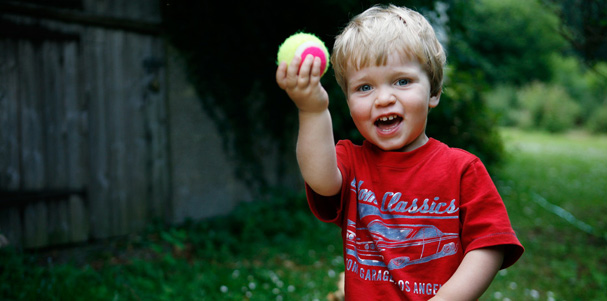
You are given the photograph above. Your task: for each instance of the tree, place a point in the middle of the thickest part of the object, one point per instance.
(510, 41)
(584, 25)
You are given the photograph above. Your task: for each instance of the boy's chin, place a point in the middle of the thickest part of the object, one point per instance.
(400, 145)
(390, 147)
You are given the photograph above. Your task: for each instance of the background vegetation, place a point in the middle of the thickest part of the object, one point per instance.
(537, 66)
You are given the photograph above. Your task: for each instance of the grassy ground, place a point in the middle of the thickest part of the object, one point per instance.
(266, 250)
(554, 188)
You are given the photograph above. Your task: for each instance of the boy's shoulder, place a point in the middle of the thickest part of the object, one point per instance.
(451, 155)
(458, 152)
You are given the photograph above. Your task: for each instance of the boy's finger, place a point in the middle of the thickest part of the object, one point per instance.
(304, 70)
(292, 71)
(316, 70)
(281, 74)
(306, 65)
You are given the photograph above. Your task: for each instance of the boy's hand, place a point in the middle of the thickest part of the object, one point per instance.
(304, 88)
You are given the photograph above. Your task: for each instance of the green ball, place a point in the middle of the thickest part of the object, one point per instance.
(303, 44)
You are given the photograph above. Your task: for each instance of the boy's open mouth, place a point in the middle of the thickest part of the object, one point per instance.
(387, 123)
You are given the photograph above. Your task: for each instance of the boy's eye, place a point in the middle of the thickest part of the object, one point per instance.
(402, 82)
(364, 88)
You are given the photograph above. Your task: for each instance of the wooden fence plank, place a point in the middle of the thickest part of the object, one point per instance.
(97, 136)
(138, 154)
(116, 120)
(10, 225)
(9, 117)
(160, 168)
(52, 77)
(35, 221)
(30, 129)
(10, 218)
(32, 160)
(76, 145)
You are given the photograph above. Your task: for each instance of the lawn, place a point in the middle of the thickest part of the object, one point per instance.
(554, 187)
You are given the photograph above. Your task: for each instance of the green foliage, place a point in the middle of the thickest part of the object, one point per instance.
(585, 27)
(574, 96)
(586, 85)
(268, 249)
(550, 107)
(502, 101)
(534, 81)
(598, 121)
(22, 277)
(510, 41)
(252, 226)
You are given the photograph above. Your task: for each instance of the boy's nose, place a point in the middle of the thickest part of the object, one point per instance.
(384, 98)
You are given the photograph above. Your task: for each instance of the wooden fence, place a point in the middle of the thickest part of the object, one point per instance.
(83, 120)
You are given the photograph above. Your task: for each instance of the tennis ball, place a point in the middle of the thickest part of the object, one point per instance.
(303, 44)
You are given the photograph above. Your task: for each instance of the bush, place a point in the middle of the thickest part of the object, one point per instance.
(510, 41)
(550, 107)
(598, 121)
(584, 83)
(502, 102)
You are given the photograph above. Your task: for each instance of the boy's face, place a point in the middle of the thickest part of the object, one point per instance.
(389, 104)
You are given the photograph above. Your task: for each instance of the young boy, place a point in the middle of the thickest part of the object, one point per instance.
(419, 220)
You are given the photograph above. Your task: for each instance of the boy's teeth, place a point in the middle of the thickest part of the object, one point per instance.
(387, 118)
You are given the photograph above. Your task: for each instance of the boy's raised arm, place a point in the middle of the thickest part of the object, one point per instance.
(315, 144)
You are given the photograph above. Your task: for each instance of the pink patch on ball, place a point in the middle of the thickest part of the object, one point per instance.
(317, 52)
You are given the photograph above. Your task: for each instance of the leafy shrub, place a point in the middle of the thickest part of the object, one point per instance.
(550, 107)
(598, 121)
(584, 83)
(510, 41)
(502, 102)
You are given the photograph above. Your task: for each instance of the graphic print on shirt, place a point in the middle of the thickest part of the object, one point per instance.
(407, 243)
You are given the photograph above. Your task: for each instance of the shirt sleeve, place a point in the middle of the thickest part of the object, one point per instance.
(483, 215)
(329, 209)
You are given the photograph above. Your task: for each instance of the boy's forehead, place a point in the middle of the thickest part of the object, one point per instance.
(356, 63)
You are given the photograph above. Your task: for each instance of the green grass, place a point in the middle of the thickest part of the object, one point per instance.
(563, 261)
(275, 249)
(266, 250)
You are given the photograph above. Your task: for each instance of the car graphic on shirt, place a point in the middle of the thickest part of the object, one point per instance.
(415, 243)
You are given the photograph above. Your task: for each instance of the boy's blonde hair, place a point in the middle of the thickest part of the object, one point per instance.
(374, 34)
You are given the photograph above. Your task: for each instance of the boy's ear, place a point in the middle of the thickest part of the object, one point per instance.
(434, 100)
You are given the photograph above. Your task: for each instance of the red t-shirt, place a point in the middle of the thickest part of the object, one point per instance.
(408, 218)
